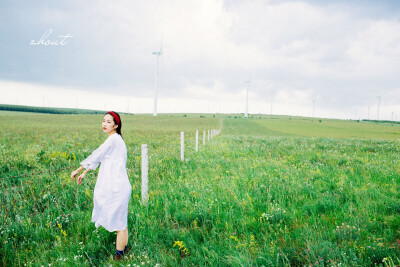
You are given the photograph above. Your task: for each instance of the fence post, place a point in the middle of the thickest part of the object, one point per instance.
(208, 136)
(197, 140)
(182, 146)
(204, 137)
(145, 172)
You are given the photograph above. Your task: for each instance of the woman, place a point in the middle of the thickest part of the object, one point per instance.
(113, 190)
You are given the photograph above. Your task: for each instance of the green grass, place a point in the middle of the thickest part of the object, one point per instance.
(273, 191)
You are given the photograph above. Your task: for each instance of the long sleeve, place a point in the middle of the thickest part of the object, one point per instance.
(93, 161)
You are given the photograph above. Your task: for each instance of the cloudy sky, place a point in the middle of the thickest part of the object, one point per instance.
(335, 56)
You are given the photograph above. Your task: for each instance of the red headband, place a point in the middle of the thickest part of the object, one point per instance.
(115, 117)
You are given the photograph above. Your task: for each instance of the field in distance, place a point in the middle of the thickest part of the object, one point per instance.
(269, 190)
(311, 127)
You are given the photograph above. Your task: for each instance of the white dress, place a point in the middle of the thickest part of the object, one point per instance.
(113, 190)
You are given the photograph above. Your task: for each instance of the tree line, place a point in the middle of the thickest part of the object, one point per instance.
(48, 110)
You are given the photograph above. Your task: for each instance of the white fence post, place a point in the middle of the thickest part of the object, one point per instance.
(145, 174)
(182, 146)
(208, 135)
(204, 137)
(197, 140)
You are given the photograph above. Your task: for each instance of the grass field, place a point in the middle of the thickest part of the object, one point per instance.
(267, 191)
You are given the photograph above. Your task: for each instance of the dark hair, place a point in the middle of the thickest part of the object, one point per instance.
(120, 122)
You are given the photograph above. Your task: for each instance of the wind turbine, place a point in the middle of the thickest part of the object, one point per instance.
(313, 107)
(247, 98)
(272, 96)
(379, 96)
(379, 104)
(157, 54)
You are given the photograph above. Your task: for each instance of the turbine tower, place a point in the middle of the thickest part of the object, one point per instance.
(313, 108)
(272, 96)
(247, 99)
(379, 104)
(157, 54)
(368, 111)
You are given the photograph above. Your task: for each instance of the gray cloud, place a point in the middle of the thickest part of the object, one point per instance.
(342, 54)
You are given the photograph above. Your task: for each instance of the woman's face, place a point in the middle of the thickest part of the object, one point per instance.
(108, 124)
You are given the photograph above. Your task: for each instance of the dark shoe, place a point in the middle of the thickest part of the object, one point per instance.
(119, 254)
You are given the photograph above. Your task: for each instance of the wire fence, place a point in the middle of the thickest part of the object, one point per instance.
(213, 132)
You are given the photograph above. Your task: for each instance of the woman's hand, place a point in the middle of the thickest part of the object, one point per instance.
(74, 173)
(79, 180)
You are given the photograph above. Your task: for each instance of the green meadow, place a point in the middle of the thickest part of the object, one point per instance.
(267, 191)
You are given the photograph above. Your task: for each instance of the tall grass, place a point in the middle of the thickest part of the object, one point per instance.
(249, 197)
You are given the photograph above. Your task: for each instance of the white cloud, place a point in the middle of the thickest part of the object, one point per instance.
(302, 51)
(375, 49)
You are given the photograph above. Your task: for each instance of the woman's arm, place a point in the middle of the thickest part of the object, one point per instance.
(93, 161)
(80, 177)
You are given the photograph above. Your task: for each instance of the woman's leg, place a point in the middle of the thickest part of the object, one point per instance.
(122, 239)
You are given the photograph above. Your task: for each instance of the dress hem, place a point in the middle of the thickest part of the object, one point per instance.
(97, 225)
